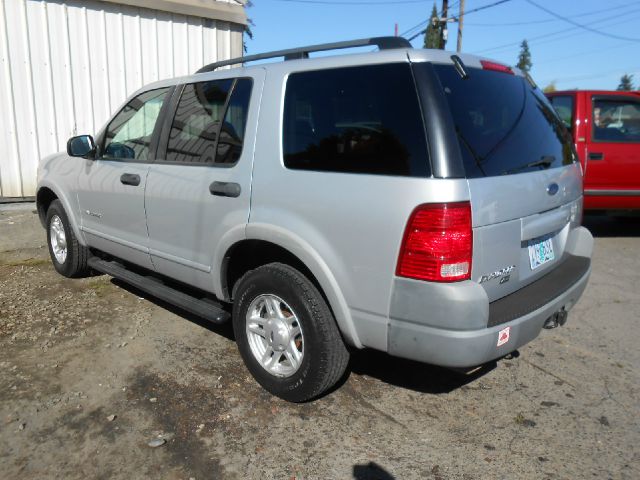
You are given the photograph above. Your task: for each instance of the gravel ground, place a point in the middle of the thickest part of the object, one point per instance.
(91, 371)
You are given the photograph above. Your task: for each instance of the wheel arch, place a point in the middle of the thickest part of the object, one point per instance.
(263, 245)
(44, 198)
(45, 195)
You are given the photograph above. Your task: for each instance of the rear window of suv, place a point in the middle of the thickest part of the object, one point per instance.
(362, 119)
(503, 124)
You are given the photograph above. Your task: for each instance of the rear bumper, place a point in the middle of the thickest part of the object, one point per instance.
(451, 348)
(462, 339)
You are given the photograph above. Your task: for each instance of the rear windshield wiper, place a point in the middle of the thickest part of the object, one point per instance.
(459, 66)
(474, 154)
(545, 162)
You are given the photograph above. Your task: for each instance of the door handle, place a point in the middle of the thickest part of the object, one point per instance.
(130, 179)
(225, 189)
(596, 156)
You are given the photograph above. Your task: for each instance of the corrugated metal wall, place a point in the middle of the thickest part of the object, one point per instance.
(66, 66)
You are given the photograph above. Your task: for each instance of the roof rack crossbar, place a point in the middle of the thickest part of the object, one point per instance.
(383, 43)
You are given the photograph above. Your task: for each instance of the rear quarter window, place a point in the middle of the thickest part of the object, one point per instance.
(355, 120)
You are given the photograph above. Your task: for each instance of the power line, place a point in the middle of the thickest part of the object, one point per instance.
(421, 32)
(511, 24)
(571, 33)
(425, 22)
(561, 33)
(583, 53)
(546, 35)
(412, 29)
(595, 75)
(483, 7)
(534, 22)
(579, 25)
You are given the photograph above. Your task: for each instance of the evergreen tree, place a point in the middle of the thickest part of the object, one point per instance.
(247, 29)
(432, 35)
(626, 83)
(524, 57)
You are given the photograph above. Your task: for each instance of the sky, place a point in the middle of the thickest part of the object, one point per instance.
(563, 53)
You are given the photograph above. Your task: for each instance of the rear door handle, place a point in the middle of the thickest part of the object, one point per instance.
(225, 189)
(596, 156)
(130, 179)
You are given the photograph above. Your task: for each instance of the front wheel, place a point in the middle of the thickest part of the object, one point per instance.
(69, 257)
(286, 333)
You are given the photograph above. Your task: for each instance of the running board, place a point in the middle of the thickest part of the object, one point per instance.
(205, 308)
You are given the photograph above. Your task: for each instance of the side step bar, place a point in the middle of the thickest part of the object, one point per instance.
(205, 308)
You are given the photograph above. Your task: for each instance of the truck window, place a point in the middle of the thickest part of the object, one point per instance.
(128, 135)
(355, 120)
(563, 105)
(234, 123)
(208, 126)
(616, 120)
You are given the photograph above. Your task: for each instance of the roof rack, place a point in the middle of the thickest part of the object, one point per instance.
(383, 43)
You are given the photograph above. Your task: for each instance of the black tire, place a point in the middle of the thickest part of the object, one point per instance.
(75, 263)
(325, 354)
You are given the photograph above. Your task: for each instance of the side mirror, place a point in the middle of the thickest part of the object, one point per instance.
(81, 146)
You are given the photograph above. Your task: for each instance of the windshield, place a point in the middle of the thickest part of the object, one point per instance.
(503, 124)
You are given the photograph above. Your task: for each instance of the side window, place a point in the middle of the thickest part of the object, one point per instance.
(234, 124)
(616, 120)
(201, 127)
(563, 105)
(128, 136)
(355, 120)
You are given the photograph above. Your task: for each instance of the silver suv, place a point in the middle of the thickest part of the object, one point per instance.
(411, 201)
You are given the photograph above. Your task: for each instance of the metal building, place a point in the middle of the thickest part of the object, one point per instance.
(66, 66)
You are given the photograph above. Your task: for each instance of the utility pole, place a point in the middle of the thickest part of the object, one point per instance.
(443, 31)
(460, 20)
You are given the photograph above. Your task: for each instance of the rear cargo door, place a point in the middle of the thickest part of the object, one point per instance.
(523, 176)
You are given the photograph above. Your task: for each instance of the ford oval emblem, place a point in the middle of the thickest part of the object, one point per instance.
(553, 188)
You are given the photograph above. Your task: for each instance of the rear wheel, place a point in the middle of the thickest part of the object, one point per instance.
(286, 333)
(69, 257)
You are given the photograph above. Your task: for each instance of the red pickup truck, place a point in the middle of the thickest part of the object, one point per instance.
(606, 130)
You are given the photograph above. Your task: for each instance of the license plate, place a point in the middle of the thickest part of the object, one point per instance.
(540, 252)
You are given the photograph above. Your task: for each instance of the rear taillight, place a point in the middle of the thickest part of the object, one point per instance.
(437, 243)
(577, 213)
(496, 67)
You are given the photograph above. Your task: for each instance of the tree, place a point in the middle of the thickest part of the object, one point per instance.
(626, 83)
(432, 35)
(247, 28)
(249, 33)
(550, 88)
(524, 57)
